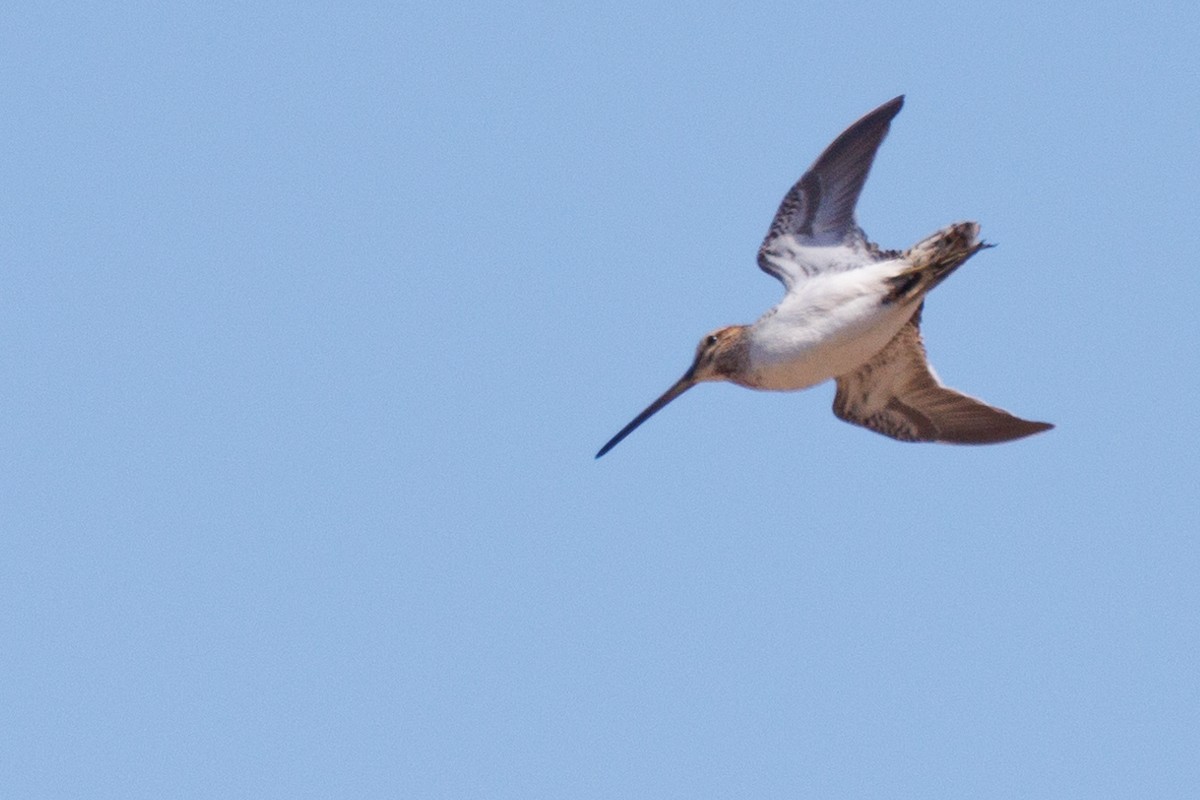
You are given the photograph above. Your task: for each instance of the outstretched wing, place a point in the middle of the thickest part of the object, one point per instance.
(818, 212)
(897, 394)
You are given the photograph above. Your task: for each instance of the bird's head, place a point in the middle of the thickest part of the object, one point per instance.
(720, 356)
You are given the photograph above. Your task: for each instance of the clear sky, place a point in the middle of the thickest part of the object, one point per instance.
(313, 318)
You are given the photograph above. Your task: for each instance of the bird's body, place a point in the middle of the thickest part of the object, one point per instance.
(851, 312)
(826, 327)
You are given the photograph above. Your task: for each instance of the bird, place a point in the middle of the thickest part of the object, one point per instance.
(851, 312)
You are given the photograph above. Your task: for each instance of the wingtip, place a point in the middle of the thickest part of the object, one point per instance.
(1024, 428)
(886, 112)
(881, 115)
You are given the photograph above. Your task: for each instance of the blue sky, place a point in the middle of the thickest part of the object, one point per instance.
(314, 317)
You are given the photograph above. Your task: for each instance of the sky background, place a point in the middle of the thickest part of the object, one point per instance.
(313, 318)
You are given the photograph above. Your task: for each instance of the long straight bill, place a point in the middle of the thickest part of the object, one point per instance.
(681, 386)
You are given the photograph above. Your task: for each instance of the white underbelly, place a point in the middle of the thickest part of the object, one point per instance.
(796, 351)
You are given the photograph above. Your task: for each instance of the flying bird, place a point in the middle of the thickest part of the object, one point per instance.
(851, 312)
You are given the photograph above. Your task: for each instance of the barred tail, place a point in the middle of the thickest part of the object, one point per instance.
(932, 260)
